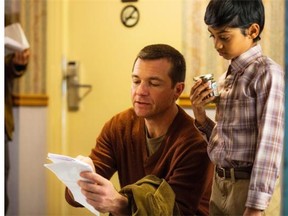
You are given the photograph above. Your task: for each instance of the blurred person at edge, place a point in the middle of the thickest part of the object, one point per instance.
(15, 67)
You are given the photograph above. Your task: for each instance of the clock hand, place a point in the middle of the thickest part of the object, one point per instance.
(131, 15)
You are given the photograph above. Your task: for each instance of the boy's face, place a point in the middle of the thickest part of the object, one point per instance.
(230, 42)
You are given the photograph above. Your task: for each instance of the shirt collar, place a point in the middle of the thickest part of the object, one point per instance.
(241, 62)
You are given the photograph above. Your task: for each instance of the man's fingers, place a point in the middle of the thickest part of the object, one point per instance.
(94, 177)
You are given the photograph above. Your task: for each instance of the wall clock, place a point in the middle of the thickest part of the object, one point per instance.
(130, 16)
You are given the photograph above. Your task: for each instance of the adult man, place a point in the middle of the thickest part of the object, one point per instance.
(160, 156)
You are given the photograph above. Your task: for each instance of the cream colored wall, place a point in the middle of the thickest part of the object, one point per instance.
(90, 32)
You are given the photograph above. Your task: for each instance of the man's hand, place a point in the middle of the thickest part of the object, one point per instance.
(87, 160)
(102, 195)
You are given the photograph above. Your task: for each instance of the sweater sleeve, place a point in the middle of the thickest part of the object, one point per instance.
(69, 198)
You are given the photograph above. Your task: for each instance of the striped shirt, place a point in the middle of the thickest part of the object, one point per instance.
(249, 128)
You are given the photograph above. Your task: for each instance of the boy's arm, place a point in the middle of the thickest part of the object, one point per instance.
(199, 97)
(270, 115)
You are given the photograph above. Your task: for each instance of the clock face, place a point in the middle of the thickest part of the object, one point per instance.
(130, 16)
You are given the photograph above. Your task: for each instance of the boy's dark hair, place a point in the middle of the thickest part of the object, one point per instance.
(235, 14)
(158, 51)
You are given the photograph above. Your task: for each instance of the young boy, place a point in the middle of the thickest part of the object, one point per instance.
(246, 142)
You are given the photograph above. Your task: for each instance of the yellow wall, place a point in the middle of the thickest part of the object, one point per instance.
(90, 31)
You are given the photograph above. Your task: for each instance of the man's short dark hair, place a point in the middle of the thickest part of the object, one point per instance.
(159, 51)
(235, 14)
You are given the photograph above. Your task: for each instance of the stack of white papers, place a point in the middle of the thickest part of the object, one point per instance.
(68, 170)
(15, 39)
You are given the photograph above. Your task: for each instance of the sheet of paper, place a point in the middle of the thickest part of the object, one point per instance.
(15, 39)
(68, 170)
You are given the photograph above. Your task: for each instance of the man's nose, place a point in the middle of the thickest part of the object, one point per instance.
(143, 88)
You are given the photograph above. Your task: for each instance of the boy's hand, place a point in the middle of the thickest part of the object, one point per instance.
(199, 97)
(252, 212)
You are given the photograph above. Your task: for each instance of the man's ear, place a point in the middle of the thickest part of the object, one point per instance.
(179, 89)
(253, 30)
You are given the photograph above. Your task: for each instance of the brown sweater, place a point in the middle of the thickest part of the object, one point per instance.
(181, 159)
